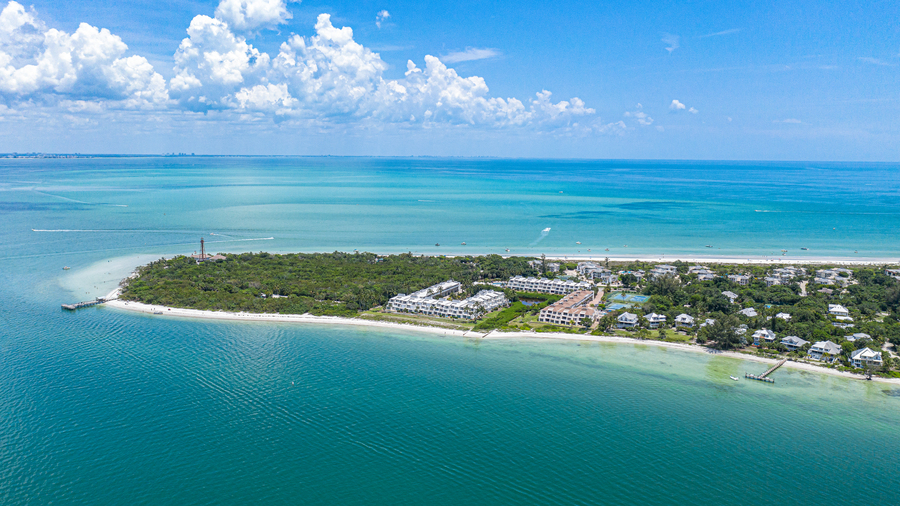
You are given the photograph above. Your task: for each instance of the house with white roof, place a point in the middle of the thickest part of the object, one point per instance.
(763, 335)
(655, 320)
(838, 310)
(825, 351)
(749, 312)
(627, 320)
(708, 321)
(783, 316)
(894, 273)
(793, 343)
(866, 358)
(731, 296)
(859, 336)
(684, 320)
(697, 268)
(772, 281)
(663, 270)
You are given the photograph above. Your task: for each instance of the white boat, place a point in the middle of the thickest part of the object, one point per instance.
(732, 377)
(546, 229)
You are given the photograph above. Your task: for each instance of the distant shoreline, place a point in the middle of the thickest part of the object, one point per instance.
(114, 302)
(729, 260)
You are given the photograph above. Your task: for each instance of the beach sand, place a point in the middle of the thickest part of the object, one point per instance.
(116, 303)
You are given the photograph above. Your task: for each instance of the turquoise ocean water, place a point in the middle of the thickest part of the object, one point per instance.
(106, 407)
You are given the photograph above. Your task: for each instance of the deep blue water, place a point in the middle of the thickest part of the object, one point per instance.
(105, 407)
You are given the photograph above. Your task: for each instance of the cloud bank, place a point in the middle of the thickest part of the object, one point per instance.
(327, 78)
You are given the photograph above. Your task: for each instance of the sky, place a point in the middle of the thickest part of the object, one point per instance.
(787, 80)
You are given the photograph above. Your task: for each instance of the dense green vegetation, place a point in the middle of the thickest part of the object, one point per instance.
(872, 298)
(317, 283)
(517, 309)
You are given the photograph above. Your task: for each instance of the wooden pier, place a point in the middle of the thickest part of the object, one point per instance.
(765, 376)
(79, 305)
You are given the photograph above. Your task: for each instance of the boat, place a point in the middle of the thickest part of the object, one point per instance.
(805, 249)
(577, 242)
(507, 250)
(437, 244)
(732, 377)
(709, 245)
(66, 268)
(546, 229)
(157, 312)
(463, 244)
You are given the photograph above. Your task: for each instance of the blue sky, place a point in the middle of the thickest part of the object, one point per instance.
(790, 80)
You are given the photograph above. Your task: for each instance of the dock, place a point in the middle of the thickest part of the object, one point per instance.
(765, 376)
(79, 305)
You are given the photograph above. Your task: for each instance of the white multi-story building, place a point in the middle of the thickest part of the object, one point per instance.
(739, 279)
(429, 301)
(837, 276)
(866, 357)
(663, 270)
(544, 285)
(825, 351)
(570, 310)
(838, 310)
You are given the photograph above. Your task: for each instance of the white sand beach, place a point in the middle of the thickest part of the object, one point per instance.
(163, 311)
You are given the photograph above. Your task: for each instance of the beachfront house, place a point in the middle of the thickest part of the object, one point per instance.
(739, 279)
(826, 351)
(894, 273)
(749, 312)
(697, 268)
(783, 316)
(785, 274)
(684, 320)
(730, 295)
(706, 276)
(793, 343)
(654, 320)
(866, 358)
(838, 310)
(627, 320)
(571, 310)
(763, 335)
(859, 336)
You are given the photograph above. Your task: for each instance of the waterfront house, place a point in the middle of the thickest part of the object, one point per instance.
(697, 268)
(627, 320)
(793, 343)
(866, 358)
(663, 270)
(706, 276)
(825, 351)
(772, 281)
(894, 273)
(708, 321)
(684, 320)
(783, 316)
(571, 310)
(749, 312)
(655, 320)
(763, 335)
(833, 277)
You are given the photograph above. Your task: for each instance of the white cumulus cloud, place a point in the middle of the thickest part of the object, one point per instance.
(638, 114)
(676, 106)
(36, 62)
(693, 111)
(253, 14)
(381, 17)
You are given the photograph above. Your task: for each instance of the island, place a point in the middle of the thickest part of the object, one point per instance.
(844, 318)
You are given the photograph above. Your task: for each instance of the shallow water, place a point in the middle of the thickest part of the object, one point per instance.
(108, 407)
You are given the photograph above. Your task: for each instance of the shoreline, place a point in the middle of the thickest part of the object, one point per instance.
(731, 260)
(139, 307)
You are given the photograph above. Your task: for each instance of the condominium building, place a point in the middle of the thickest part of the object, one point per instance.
(544, 285)
(430, 301)
(570, 310)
